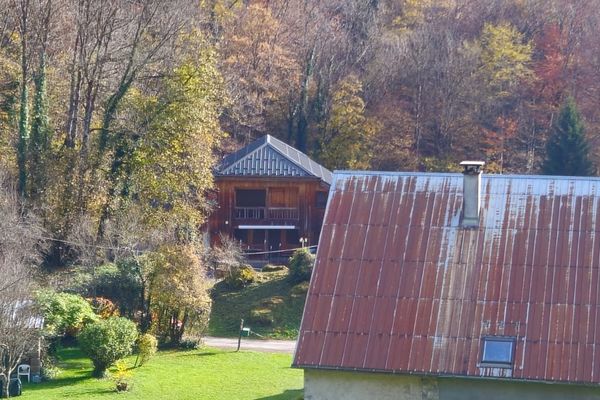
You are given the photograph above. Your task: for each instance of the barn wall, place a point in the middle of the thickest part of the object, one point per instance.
(339, 385)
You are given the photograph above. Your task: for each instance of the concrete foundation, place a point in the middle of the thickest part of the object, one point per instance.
(341, 385)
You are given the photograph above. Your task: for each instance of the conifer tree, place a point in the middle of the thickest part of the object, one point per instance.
(567, 148)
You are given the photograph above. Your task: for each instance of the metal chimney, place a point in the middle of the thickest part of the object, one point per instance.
(471, 193)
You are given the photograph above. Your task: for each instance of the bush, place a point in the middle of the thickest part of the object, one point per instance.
(299, 290)
(120, 283)
(240, 276)
(104, 307)
(147, 346)
(107, 341)
(64, 313)
(190, 344)
(121, 376)
(301, 265)
(261, 316)
(273, 268)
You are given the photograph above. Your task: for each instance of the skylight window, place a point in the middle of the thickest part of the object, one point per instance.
(498, 351)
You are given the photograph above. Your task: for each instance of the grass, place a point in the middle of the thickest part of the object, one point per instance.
(179, 375)
(271, 298)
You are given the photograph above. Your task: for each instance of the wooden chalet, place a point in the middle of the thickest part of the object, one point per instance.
(271, 197)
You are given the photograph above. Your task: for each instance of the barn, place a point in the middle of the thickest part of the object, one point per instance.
(455, 286)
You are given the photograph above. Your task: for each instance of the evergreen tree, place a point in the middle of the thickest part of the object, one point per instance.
(567, 149)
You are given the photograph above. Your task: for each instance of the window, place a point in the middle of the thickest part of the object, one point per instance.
(250, 198)
(321, 199)
(498, 351)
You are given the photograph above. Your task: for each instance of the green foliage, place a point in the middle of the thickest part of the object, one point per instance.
(119, 282)
(348, 132)
(505, 57)
(240, 276)
(567, 150)
(64, 313)
(23, 137)
(107, 341)
(301, 265)
(169, 171)
(40, 135)
(147, 346)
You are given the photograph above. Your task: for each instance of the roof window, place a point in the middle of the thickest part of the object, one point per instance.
(498, 351)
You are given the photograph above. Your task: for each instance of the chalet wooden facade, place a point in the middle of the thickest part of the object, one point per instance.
(271, 197)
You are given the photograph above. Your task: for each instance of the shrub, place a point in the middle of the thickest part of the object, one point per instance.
(301, 265)
(190, 344)
(50, 372)
(64, 313)
(104, 307)
(147, 346)
(240, 276)
(121, 283)
(273, 268)
(261, 316)
(299, 290)
(121, 376)
(107, 341)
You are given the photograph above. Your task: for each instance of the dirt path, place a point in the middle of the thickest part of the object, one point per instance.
(267, 346)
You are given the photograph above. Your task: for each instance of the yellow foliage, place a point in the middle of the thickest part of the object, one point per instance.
(505, 57)
(349, 133)
(172, 163)
(414, 12)
(178, 288)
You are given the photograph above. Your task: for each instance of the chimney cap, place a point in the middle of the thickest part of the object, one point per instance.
(472, 167)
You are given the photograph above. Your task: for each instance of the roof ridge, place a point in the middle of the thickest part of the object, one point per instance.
(300, 160)
(458, 174)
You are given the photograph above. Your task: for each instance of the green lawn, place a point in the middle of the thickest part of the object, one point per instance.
(272, 292)
(206, 374)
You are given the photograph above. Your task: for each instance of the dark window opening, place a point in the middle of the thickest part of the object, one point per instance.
(321, 200)
(498, 351)
(258, 237)
(292, 238)
(241, 235)
(250, 198)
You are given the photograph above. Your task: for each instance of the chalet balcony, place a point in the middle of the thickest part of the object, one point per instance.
(266, 213)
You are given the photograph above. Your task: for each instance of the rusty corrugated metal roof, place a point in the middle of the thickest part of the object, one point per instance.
(399, 286)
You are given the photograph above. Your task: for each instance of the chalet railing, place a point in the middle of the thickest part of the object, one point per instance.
(250, 213)
(262, 213)
(283, 213)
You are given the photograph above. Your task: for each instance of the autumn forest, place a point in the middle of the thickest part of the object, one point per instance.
(113, 113)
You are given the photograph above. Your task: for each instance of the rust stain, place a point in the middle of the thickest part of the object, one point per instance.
(400, 286)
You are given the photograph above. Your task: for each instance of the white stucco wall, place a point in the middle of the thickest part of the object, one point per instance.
(336, 385)
(342, 385)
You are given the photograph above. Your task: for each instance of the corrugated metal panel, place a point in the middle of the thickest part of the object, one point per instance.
(268, 156)
(400, 286)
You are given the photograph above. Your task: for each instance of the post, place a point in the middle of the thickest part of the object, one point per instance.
(240, 337)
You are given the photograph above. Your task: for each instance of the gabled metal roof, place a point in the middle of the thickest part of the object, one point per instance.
(399, 286)
(270, 157)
